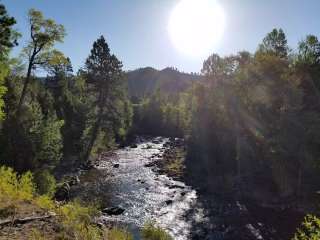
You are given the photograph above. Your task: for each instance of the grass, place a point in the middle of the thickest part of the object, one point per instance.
(151, 232)
(118, 234)
(71, 221)
(19, 198)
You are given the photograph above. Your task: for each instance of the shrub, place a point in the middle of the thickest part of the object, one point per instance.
(118, 234)
(45, 182)
(45, 202)
(15, 188)
(151, 232)
(76, 222)
(309, 229)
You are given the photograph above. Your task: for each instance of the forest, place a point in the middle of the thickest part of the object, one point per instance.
(250, 123)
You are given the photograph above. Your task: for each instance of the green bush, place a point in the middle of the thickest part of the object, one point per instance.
(15, 188)
(76, 222)
(45, 182)
(309, 229)
(151, 232)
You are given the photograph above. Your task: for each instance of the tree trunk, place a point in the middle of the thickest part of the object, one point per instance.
(93, 138)
(25, 86)
(95, 129)
(24, 220)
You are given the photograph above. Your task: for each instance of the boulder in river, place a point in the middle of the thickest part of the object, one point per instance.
(113, 210)
(150, 164)
(134, 145)
(116, 165)
(183, 193)
(169, 202)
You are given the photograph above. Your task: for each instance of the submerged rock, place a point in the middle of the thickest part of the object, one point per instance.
(113, 210)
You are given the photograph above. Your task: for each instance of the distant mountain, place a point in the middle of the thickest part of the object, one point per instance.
(145, 81)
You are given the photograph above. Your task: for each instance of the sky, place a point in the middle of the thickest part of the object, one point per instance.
(137, 30)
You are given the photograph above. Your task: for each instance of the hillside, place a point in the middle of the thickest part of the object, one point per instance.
(144, 81)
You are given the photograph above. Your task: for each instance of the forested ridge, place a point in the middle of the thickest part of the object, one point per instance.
(250, 121)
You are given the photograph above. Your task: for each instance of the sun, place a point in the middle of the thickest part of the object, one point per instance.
(196, 26)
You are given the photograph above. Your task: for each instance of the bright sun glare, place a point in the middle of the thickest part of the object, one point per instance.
(196, 26)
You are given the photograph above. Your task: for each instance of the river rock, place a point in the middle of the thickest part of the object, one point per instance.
(134, 145)
(175, 186)
(116, 165)
(169, 202)
(150, 164)
(156, 141)
(113, 210)
(87, 166)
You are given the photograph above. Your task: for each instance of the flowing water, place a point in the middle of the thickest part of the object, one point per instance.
(124, 180)
(127, 178)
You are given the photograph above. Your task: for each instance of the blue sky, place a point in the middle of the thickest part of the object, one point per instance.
(136, 30)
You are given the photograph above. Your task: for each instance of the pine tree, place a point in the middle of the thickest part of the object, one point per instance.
(104, 75)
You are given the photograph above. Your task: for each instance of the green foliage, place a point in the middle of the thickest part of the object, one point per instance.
(7, 41)
(109, 108)
(76, 222)
(162, 114)
(275, 43)
(44, 34)
(14, 188)
(6, 23)
(151, 232)
(309, 230)
(118, 234)
(48, 140)
(45, 182)
(44, 202)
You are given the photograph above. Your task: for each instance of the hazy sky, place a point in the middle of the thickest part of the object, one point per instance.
(136, 30)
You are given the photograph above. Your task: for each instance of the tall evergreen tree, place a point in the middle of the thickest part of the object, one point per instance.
(104, 79)
(7, 41)
(276, 43)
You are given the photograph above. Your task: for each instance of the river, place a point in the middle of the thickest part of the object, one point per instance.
(125, 179)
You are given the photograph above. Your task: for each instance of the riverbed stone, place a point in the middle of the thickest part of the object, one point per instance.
(169, 202)
(113, 210)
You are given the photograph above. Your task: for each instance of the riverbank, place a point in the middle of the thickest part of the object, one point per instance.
(228, 215)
